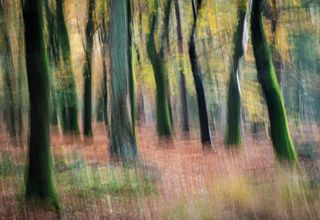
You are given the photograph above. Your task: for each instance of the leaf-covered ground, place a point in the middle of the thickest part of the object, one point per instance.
(173, 180)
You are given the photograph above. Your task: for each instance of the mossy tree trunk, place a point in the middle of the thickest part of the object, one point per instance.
(87, 75)
(233, 136)
(280, 134)
(182, 84)
(132, 76)
(123, 144)
(40, 184)
(197, 76)
(164, 117)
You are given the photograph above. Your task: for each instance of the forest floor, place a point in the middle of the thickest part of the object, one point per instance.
(174, 179)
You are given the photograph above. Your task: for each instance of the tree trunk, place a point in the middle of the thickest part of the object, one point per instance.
(132, 76)
(103, 41)
(69, 90)
(87, 120)
(164, 118)
(123, 144)
(197, 76)
(10, 87)
(39, 183)
(182, 84)
(280, 134)
(233, 136)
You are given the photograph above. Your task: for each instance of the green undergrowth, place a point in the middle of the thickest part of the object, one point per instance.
(98, 180)
(8, 167)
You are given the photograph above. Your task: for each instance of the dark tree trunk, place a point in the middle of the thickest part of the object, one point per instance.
(39, 183)
(183, 90)
(197, 76)
(69, 90)
(87, 111)
(280, 134)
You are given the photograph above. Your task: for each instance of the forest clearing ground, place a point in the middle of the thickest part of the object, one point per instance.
(184, 173)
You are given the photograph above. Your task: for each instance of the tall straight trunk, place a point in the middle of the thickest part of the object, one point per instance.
(105, 94)
(53, 55)
(87, 111)
(233, 136)
(182, 84)
(164, 118)
(280, 134)
(123, 144)
(70, 91)
(39, 183)
(103, 41)
(132, 76)
(197, 76)
(10, 86)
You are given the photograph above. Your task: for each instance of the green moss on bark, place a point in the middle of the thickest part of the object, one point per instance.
(280, 134)
(39, 184)
(233, 136)
(164, 121)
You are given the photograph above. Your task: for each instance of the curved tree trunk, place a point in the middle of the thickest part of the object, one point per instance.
(39, 183)
(280, 134)
(123, 144)
(164, 117)
(233, 136)
(197, 76)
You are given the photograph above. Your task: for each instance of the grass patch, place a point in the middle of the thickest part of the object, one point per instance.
(87, 180)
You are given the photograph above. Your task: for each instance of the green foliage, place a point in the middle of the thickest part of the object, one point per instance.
(10, 168)
(98, 181)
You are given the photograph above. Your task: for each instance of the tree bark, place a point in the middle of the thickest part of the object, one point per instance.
(87, 111)
(280, 134)
(197, 76)
(69, 91)
(39, 183)
(233, 136)
(164, 117)
(182, 84)
(123, 144)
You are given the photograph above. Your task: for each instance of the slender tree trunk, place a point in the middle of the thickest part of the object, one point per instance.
(280, 134)
(132, 76)
(123, 144)
(39, 183)
(70, 91)
(233, 136)
(164, 118)
(103, 41)
(197, 76)
(105, 93)
(10, 86)
(87, 120)
(183, 90)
